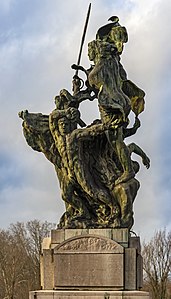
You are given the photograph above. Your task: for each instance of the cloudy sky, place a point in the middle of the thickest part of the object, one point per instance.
(39, 41)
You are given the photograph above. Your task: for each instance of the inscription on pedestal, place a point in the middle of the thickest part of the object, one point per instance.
(89, 262)
(88, 244)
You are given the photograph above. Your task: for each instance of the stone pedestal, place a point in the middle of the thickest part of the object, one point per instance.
(91, 263)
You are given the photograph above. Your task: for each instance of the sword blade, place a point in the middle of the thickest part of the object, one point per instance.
(83, 36)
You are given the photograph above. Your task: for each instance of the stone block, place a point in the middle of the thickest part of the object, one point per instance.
(88, 295)
(130, 269)
(47, 270)
(70, 233)
(139, 271)
(120, 235)
(46, 243)
(135, 295)
(42, 271)
(134, 242)
(88, 270)
(42, 295)
(57, 236)
(89, 261)
(103, 232)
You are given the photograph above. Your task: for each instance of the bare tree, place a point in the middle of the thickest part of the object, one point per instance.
(157, 264)
(30, 236)
(20, 247)
(13, 266)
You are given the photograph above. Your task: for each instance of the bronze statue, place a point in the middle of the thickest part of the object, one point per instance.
(93, 163)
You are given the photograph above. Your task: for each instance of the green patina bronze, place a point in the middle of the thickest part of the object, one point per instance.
(93, 163)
